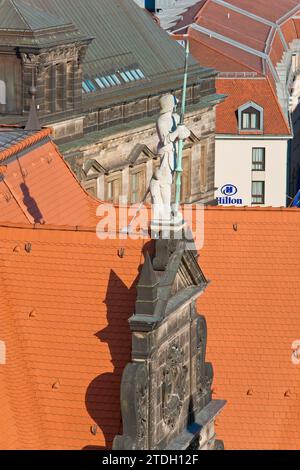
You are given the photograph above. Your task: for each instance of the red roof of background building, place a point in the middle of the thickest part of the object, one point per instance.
(241, 91)
(252, 307)
(235, 39)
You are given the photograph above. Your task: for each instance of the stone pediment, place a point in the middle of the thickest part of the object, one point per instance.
(92, 168)
(139, 154)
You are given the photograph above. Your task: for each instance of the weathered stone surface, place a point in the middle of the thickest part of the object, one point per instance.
(169, 346)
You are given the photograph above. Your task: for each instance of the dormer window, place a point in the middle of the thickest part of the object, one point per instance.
(250, 117)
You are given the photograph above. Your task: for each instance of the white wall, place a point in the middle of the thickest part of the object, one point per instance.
(234, 166)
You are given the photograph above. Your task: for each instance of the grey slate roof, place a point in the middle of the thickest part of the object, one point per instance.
(17, 15)
(11, 136)
(124, 35)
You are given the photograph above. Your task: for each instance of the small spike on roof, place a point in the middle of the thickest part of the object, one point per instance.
(33, 123)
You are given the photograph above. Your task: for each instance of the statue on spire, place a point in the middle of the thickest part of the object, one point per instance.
(170, 131)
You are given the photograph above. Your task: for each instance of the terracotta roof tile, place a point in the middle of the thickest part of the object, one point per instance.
(38, 186)
(239, 92)
(248, 60)
(277, 49)
(289, 30)
(233, 50)
(73, 350)
(266, 8)
(218, 60)
(252, 310)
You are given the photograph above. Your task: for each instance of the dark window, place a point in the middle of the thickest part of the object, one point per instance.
(113, 189)
(138, 185)
(258, 192)
(251, 119)
(186, 178)
(258, 159)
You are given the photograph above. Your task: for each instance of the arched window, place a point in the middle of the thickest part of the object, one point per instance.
(2, 353)
(2, 92)
(251, 117)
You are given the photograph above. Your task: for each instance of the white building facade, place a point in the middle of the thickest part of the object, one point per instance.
(251, 171)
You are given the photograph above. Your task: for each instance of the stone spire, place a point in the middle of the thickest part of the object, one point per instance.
(33, 123)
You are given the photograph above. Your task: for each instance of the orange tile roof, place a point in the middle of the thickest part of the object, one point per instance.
(277, 49)
(64, 309)
(289, 30)
(66, 300)
(38, 187)
(23, 144)
(239, 92)
(252, 307)
(216, 59)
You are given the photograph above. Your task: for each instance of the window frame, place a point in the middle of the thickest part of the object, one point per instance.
(263, 195)
(257, 163)
(140, 191)
(110, 179)
(251, 109)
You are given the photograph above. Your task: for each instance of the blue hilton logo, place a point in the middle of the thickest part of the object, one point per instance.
(229, 190)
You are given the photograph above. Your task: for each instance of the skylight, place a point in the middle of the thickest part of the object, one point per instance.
(111, 80)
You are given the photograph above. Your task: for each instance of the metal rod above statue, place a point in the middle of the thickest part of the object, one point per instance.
(179, 169)
(172, 133)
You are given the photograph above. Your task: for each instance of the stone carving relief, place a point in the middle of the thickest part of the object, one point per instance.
(174, 385)
(141, 395)
(57, 55)
(134, 404)
(204, 369)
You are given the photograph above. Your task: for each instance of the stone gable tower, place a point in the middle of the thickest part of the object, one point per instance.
(166, 395)
(37, 46)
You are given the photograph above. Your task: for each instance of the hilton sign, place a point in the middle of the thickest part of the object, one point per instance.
(229, 190)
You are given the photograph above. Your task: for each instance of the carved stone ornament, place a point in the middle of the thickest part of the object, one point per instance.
(57, 55)
(141, 396)
(174, 386)
(205, 373)
(134, 404)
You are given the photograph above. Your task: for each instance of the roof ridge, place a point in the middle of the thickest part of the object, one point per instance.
(25, 143)
(19, 13)
(278, 105)
(244, 12)
(89, 229)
